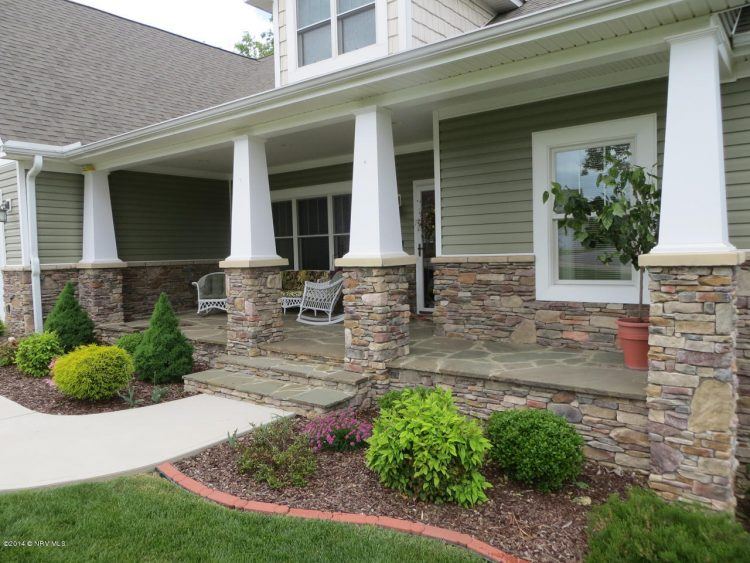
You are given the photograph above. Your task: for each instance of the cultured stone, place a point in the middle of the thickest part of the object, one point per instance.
(100, 293)
(571, 414)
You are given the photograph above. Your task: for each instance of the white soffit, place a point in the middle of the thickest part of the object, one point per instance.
(265, 5)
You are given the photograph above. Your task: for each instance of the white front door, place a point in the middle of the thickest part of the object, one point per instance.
(424, 242)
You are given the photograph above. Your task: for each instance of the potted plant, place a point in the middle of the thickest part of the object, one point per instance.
(624, 218)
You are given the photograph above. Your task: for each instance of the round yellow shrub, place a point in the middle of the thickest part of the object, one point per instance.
(93, 372)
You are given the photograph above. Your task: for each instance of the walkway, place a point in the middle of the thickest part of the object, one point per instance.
(43, 449)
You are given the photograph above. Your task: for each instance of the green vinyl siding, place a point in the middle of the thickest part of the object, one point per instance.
(59, 203)
(160, 217)
(736, 108)
(9, 187)
(485, 163)
(409, 167)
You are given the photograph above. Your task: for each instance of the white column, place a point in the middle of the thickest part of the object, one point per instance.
(99, 244)
(253, 241)
(694, 204)
(375, 232)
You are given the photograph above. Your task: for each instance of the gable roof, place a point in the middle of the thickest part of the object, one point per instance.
(73, 73)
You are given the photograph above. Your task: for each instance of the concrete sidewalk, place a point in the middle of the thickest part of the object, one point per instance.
(42, 449)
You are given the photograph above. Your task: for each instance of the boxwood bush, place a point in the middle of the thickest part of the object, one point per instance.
(535, 447)
(36, 352)
(164, 354)
(645, 528)
(422, 446)
(72, 324)
(93, 372)
(129, 342)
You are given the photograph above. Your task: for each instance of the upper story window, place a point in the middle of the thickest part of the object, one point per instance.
(328, 26)
(332, 34)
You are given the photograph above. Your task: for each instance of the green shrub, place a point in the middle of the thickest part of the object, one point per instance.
(36, 352)
(536, 447)
(164, 353)
(387, 400)
(72, 324)
(93, 372)
(8, 352)
(129, 342)
(278, 455)
(2, 328)
(645, 528)
(421, 445)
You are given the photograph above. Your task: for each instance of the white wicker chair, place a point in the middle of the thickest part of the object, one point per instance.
(321, 297)
(212, 292)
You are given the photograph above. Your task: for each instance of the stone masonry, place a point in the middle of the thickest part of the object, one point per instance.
(376, 317)
(144, 282)
(692, 384)
(742, 485)
(19, 318)
(493, 298)
(253, 314)
(100, 294)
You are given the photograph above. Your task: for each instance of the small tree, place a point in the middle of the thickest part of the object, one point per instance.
(254, 48)
(625, 217)
(164, 354)
(70, 321)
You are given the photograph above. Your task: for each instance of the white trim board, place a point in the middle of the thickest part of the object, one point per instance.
(641, 133)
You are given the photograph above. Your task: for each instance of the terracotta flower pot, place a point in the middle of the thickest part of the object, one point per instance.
(633, 336)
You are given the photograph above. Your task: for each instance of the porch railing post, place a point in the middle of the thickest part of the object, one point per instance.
(253, 281)
(376, 268)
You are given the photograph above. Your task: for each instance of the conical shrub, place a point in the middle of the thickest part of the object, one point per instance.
(70, 321)
(164, 353)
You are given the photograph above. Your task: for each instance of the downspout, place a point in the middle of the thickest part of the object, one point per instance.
(36, 283)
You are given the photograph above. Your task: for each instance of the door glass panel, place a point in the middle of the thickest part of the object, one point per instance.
(427, 250)
(313, 253)
(285, 249)
(342, 213)
(340, 245)
(282, 218)
(312, 215)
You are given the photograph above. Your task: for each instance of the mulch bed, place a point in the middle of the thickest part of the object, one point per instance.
(529, 524)
(41, 395)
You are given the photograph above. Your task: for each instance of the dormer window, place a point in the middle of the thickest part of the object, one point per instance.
(328, 26)
(333, 34)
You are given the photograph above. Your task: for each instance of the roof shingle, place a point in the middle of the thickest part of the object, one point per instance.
(72, 73)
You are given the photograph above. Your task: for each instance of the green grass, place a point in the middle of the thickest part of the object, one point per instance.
(145, 518)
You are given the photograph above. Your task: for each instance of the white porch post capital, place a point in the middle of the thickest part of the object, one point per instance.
(99, 243)
(694, 205)
(375, 232)
(253, 243)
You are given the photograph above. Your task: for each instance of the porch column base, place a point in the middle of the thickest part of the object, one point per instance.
(19, 310)
(253, 310)
(692, 383)
(100, 292)
(376, 317)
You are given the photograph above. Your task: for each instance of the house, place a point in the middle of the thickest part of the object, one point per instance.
(407, 142)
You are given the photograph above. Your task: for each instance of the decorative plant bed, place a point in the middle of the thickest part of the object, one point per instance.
(41, 395)
(529, 524)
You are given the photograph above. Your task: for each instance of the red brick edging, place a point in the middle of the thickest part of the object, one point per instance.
(170, 472)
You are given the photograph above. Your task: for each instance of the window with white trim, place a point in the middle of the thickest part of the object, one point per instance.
(328, 28)
(574, 157)
(312, 232)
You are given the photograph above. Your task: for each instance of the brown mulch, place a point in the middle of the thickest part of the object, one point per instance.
(529, 524)
(40, 394)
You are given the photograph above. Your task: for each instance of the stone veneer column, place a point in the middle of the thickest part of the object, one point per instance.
(376, 317)
(254, 313)
(692, 383)
(100, 293)
(19, 314)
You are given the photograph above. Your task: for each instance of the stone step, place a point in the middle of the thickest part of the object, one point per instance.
(295, 371)
(301, 399)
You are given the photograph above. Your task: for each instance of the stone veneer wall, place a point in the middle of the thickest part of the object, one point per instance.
(742, 485)
(493, 298)
(143, 282)
(614, 428)
(692, 384)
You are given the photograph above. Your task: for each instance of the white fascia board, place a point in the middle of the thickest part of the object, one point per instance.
(513, 32)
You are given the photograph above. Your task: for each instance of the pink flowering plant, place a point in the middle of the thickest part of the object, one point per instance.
(340, 431)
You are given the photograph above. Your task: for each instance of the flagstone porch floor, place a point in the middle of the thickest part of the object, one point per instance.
(556, 368)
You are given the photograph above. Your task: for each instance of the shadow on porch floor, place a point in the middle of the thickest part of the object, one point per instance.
(556, 368)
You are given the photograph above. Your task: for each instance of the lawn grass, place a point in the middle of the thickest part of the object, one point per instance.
(146, 518)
